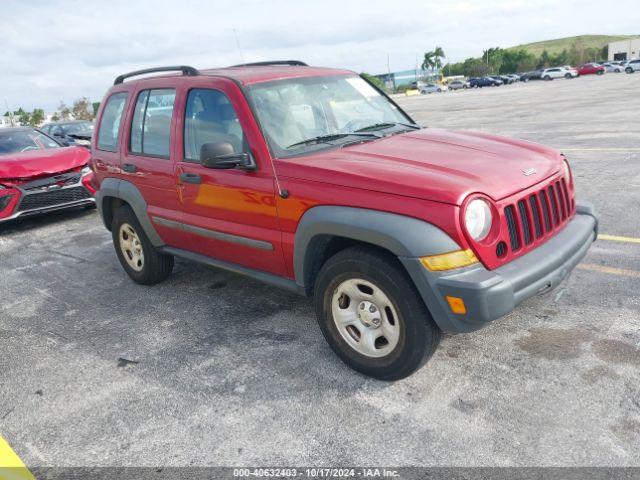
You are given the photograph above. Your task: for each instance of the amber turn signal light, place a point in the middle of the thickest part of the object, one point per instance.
(448, 261)
(457, 305)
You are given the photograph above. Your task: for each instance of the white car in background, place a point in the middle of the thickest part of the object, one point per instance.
(559, 72)
(632, 65)
(570, 72)
(432, 88)
(612, 67)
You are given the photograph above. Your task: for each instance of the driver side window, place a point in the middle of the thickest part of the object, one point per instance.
(210, 118)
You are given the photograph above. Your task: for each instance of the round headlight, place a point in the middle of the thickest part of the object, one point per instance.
(567, 172)
(477, 219)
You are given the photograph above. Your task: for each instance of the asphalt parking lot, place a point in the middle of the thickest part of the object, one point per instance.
(210, 368)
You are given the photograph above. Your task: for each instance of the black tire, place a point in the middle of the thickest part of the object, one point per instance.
(155, 266)
(628, 70)
(418, 336)
(600, 72)
(567, 76)
(547, 78)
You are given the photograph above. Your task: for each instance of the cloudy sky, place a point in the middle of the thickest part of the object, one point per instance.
(61, 50)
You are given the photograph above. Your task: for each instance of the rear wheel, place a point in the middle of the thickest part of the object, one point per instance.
(567, 76)
(139, 258)
(628, 70)
(600, 72)
(372, 316)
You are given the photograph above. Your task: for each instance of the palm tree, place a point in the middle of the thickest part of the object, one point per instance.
(428, 61)
(433, 59)
(438, 54)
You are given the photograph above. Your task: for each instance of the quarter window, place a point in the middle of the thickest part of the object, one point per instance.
(151, 124)
(110, 123)
(209, 118)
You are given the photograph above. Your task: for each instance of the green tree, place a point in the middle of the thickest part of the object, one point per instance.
(493, 59)
(37, 117)
(428, 61)
(375, 80)
(80, 109)
(95, 106)
(22, 116)
(65, 113)
(433, 59)
(438, 55)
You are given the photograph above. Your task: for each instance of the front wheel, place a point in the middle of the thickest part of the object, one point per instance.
(139, 258)
(600, 72)
(567, 76)
(628, 70)
(372, 316)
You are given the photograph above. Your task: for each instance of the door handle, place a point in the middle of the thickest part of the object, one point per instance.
(129, 168)
(190, 178)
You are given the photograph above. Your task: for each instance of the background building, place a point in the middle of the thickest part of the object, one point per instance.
(394, 80)
(624, 49)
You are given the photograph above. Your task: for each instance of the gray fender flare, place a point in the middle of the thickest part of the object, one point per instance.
(127, 192)
(403, 236)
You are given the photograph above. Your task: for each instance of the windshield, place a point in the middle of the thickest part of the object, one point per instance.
(83, 128)
(300, 115)
(15, 141)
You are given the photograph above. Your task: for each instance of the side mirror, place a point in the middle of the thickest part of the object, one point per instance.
(58, 133)
(221, 155)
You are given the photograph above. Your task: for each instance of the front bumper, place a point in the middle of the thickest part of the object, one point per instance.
(491, 294)
(27, 201)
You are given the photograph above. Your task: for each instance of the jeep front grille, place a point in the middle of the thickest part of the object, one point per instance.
(539, 214)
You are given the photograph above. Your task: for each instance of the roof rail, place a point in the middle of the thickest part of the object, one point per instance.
(292, 63)
(190, 71)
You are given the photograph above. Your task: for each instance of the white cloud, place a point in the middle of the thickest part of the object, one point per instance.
(61, 50)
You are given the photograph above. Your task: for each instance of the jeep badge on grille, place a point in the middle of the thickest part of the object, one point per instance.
(529, 171)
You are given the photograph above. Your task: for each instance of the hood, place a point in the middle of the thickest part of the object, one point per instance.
(431, 164)
(38, 163)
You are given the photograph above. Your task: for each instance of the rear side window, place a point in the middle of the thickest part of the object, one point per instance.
(110, 123)
(151, 124)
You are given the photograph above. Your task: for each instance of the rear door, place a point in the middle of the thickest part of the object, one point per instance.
(148, 158)
(229, 215)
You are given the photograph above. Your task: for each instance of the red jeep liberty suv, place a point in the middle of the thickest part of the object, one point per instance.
(314, 180)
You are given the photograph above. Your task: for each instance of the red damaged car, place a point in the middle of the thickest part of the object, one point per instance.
(38, 174)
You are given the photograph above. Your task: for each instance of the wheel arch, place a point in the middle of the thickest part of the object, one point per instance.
(114, 193)
(325, 230)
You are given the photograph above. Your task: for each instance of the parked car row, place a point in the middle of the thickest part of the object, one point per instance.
(548, 74)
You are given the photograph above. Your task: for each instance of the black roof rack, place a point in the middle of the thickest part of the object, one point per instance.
(292, 63)
(190, 71)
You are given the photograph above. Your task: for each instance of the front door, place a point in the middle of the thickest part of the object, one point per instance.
(229, 215)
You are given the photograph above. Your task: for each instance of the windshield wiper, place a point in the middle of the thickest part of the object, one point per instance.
(329, 137)
(383, 125)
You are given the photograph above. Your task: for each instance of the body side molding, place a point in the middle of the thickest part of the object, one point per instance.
(215, 234)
